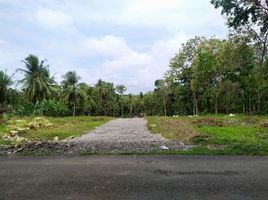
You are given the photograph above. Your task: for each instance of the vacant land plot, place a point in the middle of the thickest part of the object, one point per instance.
(216, 134)
(42, 129)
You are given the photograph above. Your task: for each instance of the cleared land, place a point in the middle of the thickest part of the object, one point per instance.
(216, 134)
(61, 127)
(121, 136)
(211, 134)
(124, 136)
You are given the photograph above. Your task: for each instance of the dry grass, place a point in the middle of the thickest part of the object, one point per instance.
(172, 128)
(62, 127)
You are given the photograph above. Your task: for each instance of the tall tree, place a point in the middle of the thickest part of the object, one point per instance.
(250, 18)
(121, 89)
(163, 90)
(87, 103)
(72, 93)
(106, 99)
(37, 83)
(5, 83)
(130, 96)
(180, 71)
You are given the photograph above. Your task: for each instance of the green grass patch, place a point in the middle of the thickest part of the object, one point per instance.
(4, 142)
(215, 135)
(2, 128)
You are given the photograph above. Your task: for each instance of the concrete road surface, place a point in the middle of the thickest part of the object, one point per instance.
(134, 177)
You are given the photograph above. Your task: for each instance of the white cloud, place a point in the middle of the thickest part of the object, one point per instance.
(109, 45)
(128, 42)
(172, 15)
(142, 6)
(166, 48)
(137, 70)
(54, 18)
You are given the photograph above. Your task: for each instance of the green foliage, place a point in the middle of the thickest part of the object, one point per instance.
(72, 94)
(212, 75)
(26, 109)
(37, 83)
(46, 107)
(205, 76)
(244, 12)
(106, 99)
(5, 83)
(54, 108)
(121, 89)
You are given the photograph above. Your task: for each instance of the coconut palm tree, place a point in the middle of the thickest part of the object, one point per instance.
(102, 91)
(5, 82)
(121, 89)
(87, 103)
(37, 83)
(72, 93)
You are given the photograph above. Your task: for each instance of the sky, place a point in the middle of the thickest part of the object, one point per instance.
(126, 42)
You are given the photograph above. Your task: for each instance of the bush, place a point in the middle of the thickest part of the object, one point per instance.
(26, 109)
(54, 108)
(46, 107)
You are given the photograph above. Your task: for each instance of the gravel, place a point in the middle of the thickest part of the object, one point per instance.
(122, 130)
(116, 136)
(125, 135)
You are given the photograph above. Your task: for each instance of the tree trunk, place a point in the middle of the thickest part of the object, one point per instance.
(42, 111)
(165, 107)
(122, 110)
(196, 111)
(244, 104)
(258, 101)
(249, 105)
(74, 110)
(130, 111)
(216, 105)
(208, 104)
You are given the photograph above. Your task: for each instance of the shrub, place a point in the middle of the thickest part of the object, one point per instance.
(46, 107)
(26, 109)
(54, 108)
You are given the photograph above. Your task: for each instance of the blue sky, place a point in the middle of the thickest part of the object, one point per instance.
(127, 42)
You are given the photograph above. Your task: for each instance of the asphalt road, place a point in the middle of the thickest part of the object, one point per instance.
(129, 177)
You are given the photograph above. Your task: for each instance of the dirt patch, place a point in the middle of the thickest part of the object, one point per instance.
(98, 119)
(264, 125)
(183, 128)
(208, 122)
(42, 148)
(251, 120)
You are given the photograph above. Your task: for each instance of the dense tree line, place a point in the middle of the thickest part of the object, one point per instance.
(40, 94)
(207, 75)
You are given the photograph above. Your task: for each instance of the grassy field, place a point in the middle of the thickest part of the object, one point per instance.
(216, 134)
(2, 129)
(61, 127)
